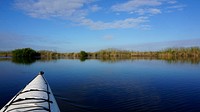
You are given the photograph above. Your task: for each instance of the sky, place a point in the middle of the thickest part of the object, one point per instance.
(93, 25)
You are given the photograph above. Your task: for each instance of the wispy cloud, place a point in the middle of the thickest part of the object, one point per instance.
(10, 41)
(136, 6)
(178, 7)
(145, 7)
(127, 23)
(150, 11)
(108, 37)
(52, 8)
(172, 1)
(152, 46)
(78, 11)
(95, 8)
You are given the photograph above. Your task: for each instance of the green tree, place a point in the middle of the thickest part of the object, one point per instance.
(25, 52)
(83, 54)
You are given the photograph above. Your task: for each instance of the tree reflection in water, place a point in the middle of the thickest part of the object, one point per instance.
(23, 60)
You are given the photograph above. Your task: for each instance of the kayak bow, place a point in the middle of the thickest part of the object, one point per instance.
(35, 97)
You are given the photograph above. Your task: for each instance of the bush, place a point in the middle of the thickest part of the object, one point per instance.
(83, 54)
(25, 52)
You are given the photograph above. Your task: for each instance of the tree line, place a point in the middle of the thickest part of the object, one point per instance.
(190, 52)
(115, 53)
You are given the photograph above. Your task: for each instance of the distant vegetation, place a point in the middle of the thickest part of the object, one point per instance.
(5, 53)
(114, 53)
(24, 56)
(191, 54)
(83, 54)
(25, 52)
(171, 55)
(44, 54)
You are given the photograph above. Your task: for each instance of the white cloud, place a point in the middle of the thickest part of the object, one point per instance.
(95, 8)
(148, 11)
(154, 11)
(108, 37)
(78, 11)
(133, 5)
(52, 8)
(154, 46)
(178, 7)
(146, 7)
(10, 41)
(172, 2)
(126, 23)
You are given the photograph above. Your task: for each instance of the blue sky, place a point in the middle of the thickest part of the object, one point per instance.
(92, 25)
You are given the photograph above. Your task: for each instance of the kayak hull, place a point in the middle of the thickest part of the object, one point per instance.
(37, 96)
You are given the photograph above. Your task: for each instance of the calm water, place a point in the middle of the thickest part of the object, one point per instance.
(123, 86)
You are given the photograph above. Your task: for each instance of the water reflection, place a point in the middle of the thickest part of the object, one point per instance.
(170, 60)
(5, 58)
(183, 60)
(24, 60)
(82, 59)
(27, 61)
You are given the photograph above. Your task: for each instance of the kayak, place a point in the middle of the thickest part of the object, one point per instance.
(35, 97)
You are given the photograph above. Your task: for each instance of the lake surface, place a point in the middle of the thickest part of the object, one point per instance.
(105, 86)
